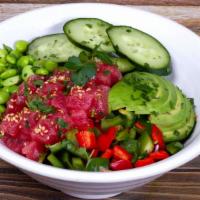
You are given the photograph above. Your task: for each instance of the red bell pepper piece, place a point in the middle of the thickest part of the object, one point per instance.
(107, 154)
(105, 139)
(121, 153)
(144, 162)
(159, 155)
(139, 125)
(120, 165)
(86, 139)
(94, 153)
(157, 137)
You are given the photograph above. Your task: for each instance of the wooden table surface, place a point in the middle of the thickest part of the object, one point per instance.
(180, 184)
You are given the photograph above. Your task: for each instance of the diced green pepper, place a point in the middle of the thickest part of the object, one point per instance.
(71, 135)
(174, 147)
(107, 123)
(56, 147)
(122, 135)
(72, 148)
(66, 160)
(77, 164)
(145, 143)
(55, 161)
(95, 164)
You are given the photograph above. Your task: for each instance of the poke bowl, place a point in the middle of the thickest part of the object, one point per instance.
(98, 104)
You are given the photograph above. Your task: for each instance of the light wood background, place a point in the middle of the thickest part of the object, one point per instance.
(180, 184)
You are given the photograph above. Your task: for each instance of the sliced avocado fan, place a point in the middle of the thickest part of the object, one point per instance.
(153, 95)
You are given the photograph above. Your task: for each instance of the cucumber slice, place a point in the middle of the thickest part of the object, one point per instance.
(141, 48)
(56, 47)
(89, 33)
(123, 64)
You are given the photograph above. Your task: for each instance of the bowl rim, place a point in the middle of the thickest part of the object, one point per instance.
(156, 169)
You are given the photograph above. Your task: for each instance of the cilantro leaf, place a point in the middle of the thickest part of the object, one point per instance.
(37, 104)
(61, 123)
(82, 76)
(73, 63)
(103, 57)
(38, 83)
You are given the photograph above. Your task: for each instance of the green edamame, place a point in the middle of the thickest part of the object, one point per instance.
(11, 81)
(39, 63)
(15, 53)
(11, 59)
(2, 65)
(31, 60)
(12, 89)
(4, 96)
(3, 53)
(2, 108)
(21, 45)
(26, 72)
(50, 65)
(8, 73)
(23, 61)
(42, 71)
(54, 161)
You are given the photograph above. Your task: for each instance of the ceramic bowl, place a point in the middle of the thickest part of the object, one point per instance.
(184, 47)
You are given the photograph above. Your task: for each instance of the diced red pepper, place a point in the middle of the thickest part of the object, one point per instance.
(121, 153)
(107, 154)
(120, 165)
(157, 137)
(159, 155)
(105, 139)
(139, 125)
(144, 162)
(94, 153)
(86, 139)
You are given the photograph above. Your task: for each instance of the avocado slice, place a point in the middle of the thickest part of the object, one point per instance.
(166, 105)
(184, 129)
(175, 116)
(143, 93)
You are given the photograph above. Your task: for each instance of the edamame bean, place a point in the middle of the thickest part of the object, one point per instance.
(1, 85)
(8, 73)
(31, 60)
(26, 72)
(11, 81)
(15, 53)
(3, 53)
(2, 109)
(4, 96)
(21, 45)
(42, 71)
(50, 65)
(39, 63)
(23, 61)
(11, 89)
(11, 59)
(2, 65)
(6, 89)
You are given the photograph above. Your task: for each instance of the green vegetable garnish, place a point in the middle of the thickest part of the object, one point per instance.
(38, 104)
(82, 72)
(61, 123)
(95, 164)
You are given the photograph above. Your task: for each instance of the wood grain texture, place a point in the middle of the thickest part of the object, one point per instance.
(189, 16)
(181, 184)
(124, 2)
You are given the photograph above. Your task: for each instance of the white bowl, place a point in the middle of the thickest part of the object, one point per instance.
(184, 47)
